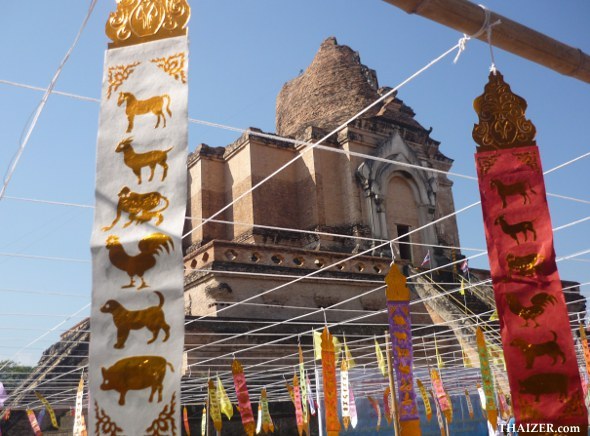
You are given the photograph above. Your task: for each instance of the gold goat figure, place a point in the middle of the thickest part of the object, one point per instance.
(137, 161)
(513, 230)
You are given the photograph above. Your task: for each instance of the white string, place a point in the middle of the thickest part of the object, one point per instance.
(43, 102)
(485, 27)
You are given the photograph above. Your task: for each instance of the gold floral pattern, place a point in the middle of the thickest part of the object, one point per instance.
(117, 76)
(174, 65)
(137, 21)
(502, 122)
(486, 163)
(529, 158)
(104, 424)
(165, 423)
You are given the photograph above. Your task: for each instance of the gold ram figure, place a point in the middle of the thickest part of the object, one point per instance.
(135, 107)
(141, 208)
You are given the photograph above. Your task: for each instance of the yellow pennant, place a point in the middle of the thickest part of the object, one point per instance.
(380, 359)
(349, 359)
(486, 378)
(425, 399)
(49, 409)
(317, 346)
(267, 424)
(462, 290)
(466, 359)
(225, 404)
(214, 406)
(439, 361)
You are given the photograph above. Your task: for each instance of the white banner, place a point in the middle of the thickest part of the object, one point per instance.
(137, 320)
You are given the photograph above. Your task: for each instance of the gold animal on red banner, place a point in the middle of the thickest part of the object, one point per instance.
(514, 229)
(149, 247)
(544, 384)
(539, 304)
(135, 107)
(139, 207)
(532, 351)
(126, 320)
(526, 265)
(136, 373)
(517, 188)
(137, 161)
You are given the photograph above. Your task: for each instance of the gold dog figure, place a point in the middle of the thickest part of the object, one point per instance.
(136, 373)
(151, 318)
(135, 107)
(140, 208)
(532, 351)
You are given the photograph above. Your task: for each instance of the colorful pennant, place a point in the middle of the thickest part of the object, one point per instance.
(49, 409)
(204, 422)
(584, 342)
(304, 390)
(352, 407)
(439, 415)
(486, 378)
(388, 405)
(310, 399)
(344, 394)
(3, 395)
(79, 427)
(400, 330)
(187, 428)
(380, 359)
(214, 406)
(243, 398)
(469, 405)
(267, 424)
(349, 359)
(34, 423)
(425, 399)
(443, 399)
(226, 406)
(375, 404)
(527, 288)
(329, 378)
(298, 408)
(259, 419)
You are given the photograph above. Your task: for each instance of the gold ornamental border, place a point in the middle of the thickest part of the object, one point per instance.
(138, 21)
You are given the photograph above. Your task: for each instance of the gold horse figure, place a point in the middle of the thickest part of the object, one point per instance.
(141, 208)
(135, 107)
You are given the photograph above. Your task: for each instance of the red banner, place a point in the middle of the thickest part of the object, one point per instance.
(534, 323)
(243, 398)
(329, 378)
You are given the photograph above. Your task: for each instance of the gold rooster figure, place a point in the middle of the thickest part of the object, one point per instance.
(149, 248)
(539, 303)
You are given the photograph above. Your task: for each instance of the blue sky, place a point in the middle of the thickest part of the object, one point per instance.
(242, 51)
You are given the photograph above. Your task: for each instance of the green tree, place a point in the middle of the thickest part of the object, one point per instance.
(13, 373)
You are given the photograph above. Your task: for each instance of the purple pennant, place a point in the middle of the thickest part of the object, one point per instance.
(3, 395)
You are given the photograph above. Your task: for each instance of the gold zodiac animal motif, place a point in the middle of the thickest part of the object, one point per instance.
(135, 107)
(136, 373)
(151, 318)
(137, 161)
(524, 265)
(141, 208)
(532, 351)
(149, 247)
(514, 229)
(517, 188)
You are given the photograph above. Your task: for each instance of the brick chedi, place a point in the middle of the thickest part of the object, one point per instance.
(332, 89)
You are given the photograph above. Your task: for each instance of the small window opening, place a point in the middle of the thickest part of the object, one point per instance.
(405, 249)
